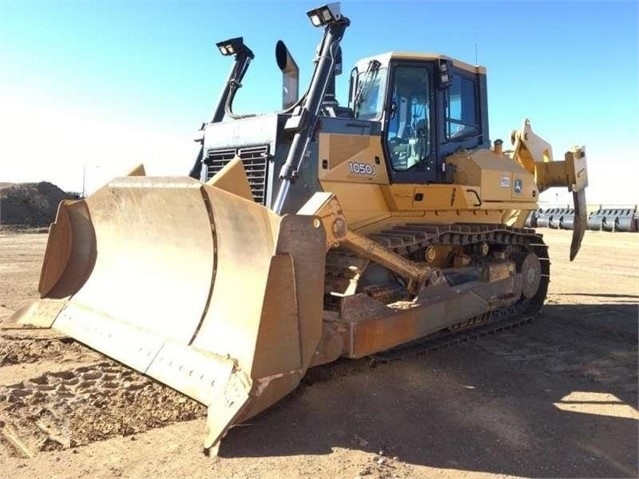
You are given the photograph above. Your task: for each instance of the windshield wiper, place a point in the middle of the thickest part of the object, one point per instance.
(372, 66)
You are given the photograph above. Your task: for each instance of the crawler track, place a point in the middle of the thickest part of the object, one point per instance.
(513, 317)
(409, 238)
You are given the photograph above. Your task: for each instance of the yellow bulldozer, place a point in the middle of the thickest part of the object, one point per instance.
(318, 232)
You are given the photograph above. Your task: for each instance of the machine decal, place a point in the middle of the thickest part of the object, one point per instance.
(505, 181)
(361, 168)
(518, 185)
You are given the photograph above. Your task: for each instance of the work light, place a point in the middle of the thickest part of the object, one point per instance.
(232, 46)
(325, 15)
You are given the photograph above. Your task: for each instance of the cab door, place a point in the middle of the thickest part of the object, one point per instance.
(410, 132)
(464, 123)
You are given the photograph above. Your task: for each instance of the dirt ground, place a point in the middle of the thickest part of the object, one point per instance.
(555, 398)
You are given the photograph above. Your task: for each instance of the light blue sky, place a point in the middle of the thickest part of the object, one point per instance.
(104, 85)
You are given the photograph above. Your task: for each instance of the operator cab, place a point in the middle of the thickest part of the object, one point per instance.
(429, 107)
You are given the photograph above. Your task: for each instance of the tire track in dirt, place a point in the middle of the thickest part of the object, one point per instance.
(25, 350)
(49, 405)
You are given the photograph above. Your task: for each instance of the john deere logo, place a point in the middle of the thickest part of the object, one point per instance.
(517, 187)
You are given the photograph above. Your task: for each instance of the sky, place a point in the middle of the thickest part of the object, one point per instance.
(89, 89)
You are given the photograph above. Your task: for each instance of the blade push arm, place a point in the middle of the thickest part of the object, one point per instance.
(328, 211)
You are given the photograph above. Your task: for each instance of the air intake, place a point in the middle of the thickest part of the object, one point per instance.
(255, 160)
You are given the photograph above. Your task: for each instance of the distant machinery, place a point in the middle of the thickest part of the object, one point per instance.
(602, 219)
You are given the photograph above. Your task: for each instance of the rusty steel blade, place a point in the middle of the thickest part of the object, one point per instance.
(206, 291)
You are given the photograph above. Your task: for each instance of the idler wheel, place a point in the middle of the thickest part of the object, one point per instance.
(530, 269)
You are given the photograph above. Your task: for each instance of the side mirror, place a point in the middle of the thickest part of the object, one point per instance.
(443, 79)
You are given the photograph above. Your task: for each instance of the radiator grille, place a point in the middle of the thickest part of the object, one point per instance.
(255, 160)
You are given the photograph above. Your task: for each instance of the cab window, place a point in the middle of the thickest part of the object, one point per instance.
(461, 110)
(408, 131)
(369, 100)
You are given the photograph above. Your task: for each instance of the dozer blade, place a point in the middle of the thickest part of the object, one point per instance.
(201, 289)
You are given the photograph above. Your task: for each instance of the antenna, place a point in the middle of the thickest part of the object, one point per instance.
(476, 62)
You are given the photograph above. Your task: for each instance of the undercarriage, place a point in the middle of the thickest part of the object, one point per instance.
(488, 275)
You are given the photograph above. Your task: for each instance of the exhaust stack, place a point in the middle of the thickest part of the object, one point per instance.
(290, 75)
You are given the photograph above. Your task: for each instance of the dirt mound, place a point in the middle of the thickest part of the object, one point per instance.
(30, 204)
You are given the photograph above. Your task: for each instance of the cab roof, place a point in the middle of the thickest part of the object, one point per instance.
(385, 58)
